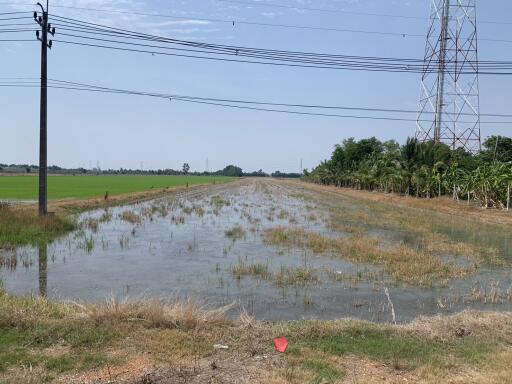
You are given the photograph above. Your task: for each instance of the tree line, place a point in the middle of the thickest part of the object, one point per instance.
(230, 170)
(423, 170)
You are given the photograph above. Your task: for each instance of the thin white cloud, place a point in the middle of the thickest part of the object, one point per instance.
(126, 14)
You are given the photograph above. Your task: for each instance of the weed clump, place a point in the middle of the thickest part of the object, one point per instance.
(178, 220)
(93, 225)
(106, 217)
(299, 277)
(235, 233)
(244, 269)
(131, 217)
(402, 261)
(218, 202)
(20, 226)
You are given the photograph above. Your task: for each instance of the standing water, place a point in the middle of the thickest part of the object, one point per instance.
(208, 245)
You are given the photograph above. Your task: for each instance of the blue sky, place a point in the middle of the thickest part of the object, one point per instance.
(123, 131)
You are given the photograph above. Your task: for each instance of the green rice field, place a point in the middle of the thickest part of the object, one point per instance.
(81, 187)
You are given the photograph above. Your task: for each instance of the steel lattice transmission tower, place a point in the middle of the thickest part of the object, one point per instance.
(449, 110)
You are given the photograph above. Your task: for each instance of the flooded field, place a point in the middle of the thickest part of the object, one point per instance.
(280, 250)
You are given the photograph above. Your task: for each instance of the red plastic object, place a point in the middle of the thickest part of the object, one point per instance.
(281, 344)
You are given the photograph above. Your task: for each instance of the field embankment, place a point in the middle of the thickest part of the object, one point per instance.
(156, 342)
(443, 204)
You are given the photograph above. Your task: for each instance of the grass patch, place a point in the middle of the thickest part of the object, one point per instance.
(236, 233)
(218, 202)
(19, 227)
(130, 217)
(244, 269)
(402, 261)
(83, 187)
(428, 230)
(324, 373)
(93, 225)
(398, 350)
(77, 361)
(300, 277)
(57, 339)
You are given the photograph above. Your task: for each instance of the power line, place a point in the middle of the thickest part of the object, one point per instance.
(327, 10)
(208, 51)
(16, 30)
(404, 70)
(266, 4)
(280, 104)
(400, 64)
(232, 103)
(14, 18)
(118, 32)
(14, 13)
(331, 10)
(234, 22)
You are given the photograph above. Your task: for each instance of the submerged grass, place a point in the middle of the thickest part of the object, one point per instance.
(235, 233)
(403, 262)
(285, 276)
(131, 217)
(436, 227)
(242, 268)
(300, 277)
(19, 227)
(218, 202)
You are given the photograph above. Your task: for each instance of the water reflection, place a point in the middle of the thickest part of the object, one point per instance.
(43, 269)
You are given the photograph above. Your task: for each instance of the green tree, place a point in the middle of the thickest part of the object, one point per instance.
(232, 171)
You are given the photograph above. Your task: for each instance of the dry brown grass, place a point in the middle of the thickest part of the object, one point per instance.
(172, 341)
(497, 325)
(401, 261)
(298, 238)
(419, 225)
(130, 217)
(496, 371)
(93, 225)
(444, 204)
(155, 313)
(433, 223)
(29, 310)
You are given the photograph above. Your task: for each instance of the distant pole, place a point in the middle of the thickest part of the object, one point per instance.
(508, 196)
(43, 117)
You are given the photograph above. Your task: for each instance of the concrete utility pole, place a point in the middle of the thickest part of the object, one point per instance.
(43, 117)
